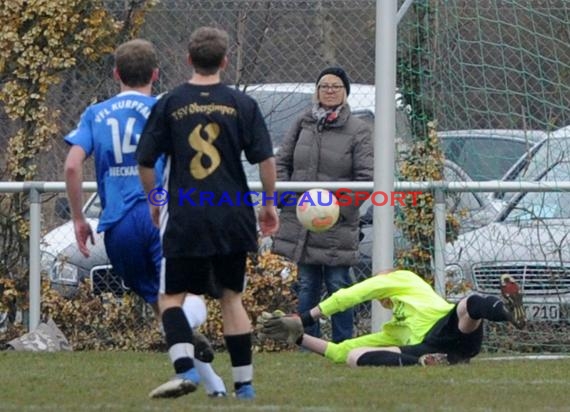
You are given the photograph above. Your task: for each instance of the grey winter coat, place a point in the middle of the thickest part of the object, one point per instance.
(342, 151)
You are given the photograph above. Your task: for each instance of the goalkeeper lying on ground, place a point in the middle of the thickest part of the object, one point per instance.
(424, 329)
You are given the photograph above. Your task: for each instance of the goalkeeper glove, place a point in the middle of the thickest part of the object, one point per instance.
(284, 328)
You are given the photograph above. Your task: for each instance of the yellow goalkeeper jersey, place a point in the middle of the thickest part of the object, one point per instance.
(416, 307)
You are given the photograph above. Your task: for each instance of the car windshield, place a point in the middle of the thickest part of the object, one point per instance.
(548, 153)
(547, 205)
(484, 158)
(458, 201)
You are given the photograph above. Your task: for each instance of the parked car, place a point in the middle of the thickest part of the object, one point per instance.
(66, 267)
(494, 154)
(529, 241)
(532, 164)
(488, 154)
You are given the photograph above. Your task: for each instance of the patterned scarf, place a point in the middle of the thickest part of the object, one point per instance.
(325, 116)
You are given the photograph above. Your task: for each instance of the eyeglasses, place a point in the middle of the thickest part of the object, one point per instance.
(333, 87)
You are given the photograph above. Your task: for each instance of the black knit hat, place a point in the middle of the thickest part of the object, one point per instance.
(338, 72)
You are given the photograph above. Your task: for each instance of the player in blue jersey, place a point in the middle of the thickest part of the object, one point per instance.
(110, 131)
(203, 126)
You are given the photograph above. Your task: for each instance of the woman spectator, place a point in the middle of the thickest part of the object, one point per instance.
(326, 143)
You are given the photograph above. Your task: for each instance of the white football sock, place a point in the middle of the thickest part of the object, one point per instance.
(212, 382)
(196, 312)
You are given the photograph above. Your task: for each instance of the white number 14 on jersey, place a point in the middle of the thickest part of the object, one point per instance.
(122, 145)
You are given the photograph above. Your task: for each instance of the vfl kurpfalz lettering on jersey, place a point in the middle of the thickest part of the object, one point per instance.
(111, 130)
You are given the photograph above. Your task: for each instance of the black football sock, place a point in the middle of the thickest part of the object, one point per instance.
(239, 349)
(486, 307)
(178, 339)
(386, 358)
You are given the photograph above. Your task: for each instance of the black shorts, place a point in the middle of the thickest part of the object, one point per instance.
(445, 337)
(204, 275)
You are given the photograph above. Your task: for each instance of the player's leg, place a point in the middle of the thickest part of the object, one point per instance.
(238, 338)
(338, 277)
(309, 294)
(195, 310)
(178, 334)
(446, 343)
(193, 306)
(387, 356)
(229, 272)
(512, 296)
(472, 309)
(127, 246)
(175, 282)
(339, 352)
(196, 313)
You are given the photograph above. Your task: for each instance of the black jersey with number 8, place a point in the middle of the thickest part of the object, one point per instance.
(203, 130)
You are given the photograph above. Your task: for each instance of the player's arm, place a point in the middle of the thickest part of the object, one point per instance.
(152, 144)
(374, 287)
(258, 149)
(291, 327)
(73, 171)
(268, 218)
(148, 179)
(267, 175)
(381, 286)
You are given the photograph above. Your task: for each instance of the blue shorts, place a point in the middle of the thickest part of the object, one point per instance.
(133, 247)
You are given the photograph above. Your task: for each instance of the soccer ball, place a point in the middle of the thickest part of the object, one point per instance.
(318, 210)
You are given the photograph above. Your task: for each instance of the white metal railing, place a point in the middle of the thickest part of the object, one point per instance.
(439, 188)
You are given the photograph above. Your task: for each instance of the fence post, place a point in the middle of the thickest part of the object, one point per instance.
(384, 132)
(35, 276)
(439, 241)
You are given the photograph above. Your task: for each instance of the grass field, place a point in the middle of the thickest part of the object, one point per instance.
(293, 381)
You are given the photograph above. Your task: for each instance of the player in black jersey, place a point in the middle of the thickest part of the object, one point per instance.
(202, 127)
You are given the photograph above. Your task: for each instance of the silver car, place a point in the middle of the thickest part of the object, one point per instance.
(487, 154)
(536, 161)
(66, 267)
(530, 241)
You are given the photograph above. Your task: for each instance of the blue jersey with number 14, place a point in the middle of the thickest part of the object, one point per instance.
(111, 130)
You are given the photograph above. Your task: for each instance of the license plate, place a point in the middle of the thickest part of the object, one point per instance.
(542, 311)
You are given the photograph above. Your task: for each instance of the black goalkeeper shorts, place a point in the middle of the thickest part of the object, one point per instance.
(445, 337)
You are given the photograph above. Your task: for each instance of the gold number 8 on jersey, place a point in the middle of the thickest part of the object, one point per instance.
(204, 147)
